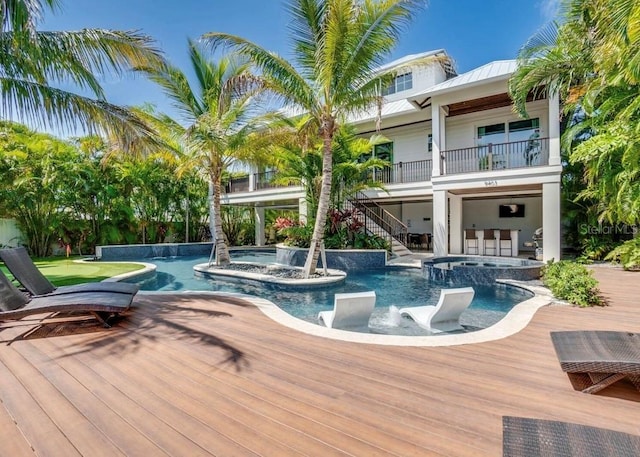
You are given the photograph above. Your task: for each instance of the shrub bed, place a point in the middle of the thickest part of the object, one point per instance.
(572, 282)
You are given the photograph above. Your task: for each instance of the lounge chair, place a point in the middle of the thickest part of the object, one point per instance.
(523, 436)
(596, 359)
(16, 305)
(445, 316)
(349, 310)
(27, 273)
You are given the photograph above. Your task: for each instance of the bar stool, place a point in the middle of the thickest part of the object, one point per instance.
(471, 240)
(505, 235)
(489, 235)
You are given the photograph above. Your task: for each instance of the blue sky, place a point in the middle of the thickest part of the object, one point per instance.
(472, 32)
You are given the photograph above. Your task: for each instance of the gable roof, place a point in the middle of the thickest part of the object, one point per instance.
(493, 71)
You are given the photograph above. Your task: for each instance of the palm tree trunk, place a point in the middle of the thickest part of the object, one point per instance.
(323, 201)
(212, 212)
(222, 251)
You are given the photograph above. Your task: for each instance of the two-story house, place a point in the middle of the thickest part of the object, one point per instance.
(462, 162)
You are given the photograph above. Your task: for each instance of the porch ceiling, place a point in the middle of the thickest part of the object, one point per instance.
(501, 190)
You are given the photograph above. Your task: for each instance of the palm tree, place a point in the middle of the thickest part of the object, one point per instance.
(337, 48)
(591, 59)
(219, 123)
(300, 162)
(33, 64)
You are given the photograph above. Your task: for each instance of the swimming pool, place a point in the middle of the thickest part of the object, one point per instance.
(396, 286)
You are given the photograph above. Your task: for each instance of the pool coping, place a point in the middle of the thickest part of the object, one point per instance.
(515, 320)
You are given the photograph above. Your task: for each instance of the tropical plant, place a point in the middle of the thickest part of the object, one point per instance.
(338, 47)
(627, 254)
(353, 166)
(220, 123)
(32, 167)
(591, 59)
(238, 224)
(572, 282)
(35, 65)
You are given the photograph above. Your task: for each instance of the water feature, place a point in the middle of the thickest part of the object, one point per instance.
(395, 287)
(472, 270)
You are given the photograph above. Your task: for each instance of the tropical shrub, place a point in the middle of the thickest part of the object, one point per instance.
(627, 254)
(344, 229)
(297, 235)
(596, 247)
(572, 282)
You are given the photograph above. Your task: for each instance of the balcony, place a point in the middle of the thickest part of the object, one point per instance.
(403, 172)
(256, 181)
(502, 156)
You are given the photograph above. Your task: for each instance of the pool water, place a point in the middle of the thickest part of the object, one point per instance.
(395, 286)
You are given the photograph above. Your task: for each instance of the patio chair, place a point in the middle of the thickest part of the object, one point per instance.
(523, 436)
(27, 273)
(445, 316)
(349, 310)
(103, 305)
(594, 360)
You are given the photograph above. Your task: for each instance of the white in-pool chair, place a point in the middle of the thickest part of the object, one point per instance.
(444, 317)
(349, 310)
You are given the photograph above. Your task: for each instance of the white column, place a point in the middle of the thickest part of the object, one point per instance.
(440, 223)
(302, 210)
(455, 224)
(436, 138)
(260, 234)
(551, 239)
(252, 181)
(554, 129)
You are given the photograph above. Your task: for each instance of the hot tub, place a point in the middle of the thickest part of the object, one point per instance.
(479, 269)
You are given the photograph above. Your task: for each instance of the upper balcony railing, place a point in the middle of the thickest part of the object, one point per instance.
(501, 156)
(237, 184)
(261, 181)
(403, 172)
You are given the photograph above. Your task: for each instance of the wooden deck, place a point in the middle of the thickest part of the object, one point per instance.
(192, 375)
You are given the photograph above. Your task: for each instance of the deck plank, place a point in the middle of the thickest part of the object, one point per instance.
(202, 375)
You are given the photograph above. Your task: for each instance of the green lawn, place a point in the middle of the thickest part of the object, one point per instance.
(63, 271)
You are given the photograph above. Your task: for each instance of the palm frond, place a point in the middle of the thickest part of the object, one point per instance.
(282, 76)
(46, 106)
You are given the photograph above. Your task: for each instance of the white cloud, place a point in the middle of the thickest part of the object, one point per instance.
(549, 9)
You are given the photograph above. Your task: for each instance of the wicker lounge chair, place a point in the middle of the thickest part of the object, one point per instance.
(533, 437)
(25, 271)
(596, 359)
(103, 305)
(349, 310)
(445, 316)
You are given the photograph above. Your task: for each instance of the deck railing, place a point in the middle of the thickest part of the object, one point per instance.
(501, 156)
(237, 184)
(403, 172)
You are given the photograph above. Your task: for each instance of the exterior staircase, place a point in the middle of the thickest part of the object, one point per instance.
(381, 222)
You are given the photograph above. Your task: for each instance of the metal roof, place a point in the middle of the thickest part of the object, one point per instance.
(410, 58)
(389, 109)
(493, 71)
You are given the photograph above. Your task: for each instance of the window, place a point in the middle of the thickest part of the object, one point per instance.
(510, 132)
(509, 144)
(400, 83)
(492, 134)
(384, 151)
(430, 143)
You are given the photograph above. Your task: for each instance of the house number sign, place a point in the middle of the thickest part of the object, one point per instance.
(491, 183)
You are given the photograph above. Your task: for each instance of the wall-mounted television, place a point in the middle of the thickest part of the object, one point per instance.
(511, 210)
